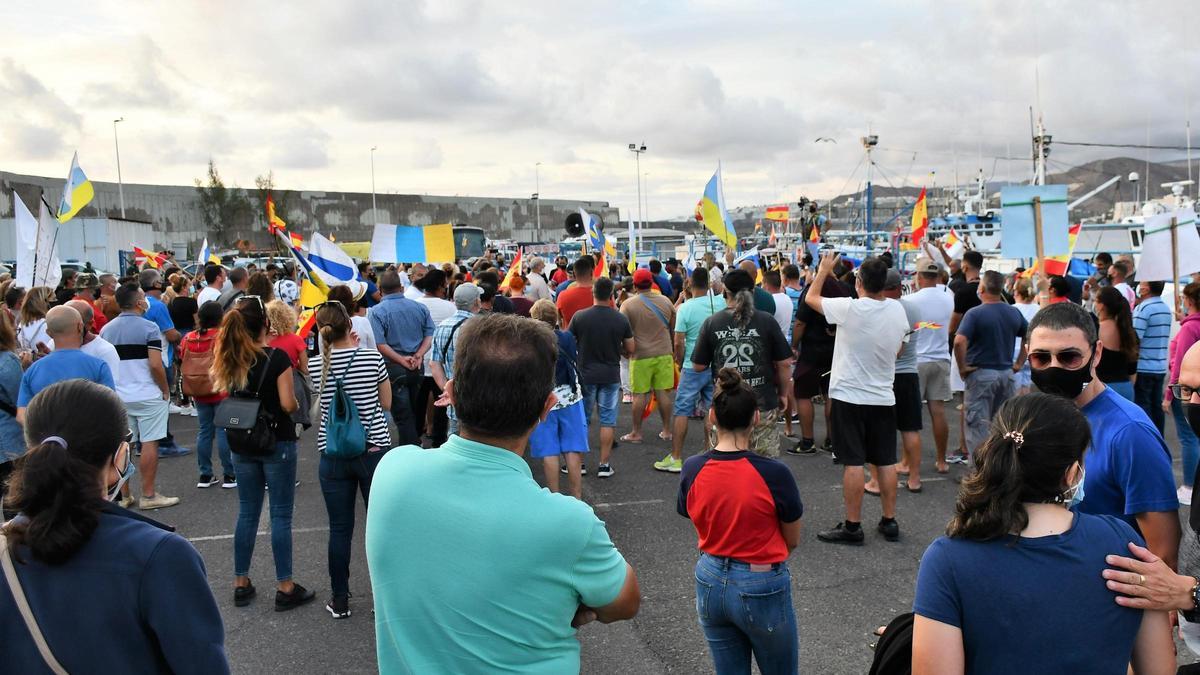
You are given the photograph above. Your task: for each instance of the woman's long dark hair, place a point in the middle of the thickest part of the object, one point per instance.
(1117, 308)
(57, 488)
(1034, 440)
(734, 402)
(238, 344)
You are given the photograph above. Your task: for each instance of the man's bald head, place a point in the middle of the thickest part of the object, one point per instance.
(63, 322)
(86, 311)
(1189, 373)
(749, 266)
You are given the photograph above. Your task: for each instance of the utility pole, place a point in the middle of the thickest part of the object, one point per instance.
(374, 211)
(120, 184)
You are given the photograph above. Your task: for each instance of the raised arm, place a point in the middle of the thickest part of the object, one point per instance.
(813, 297)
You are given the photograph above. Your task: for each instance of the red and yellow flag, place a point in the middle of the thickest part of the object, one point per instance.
(514, 271)
(778, 214)
(814, 235)
(1057, 265)
(297, 240)
(920, 219)
(274, 222)
(603, 264)
(141, 255)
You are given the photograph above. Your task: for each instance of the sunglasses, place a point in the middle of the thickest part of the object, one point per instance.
(1070, 358)
(256, 298)
(1182, 392)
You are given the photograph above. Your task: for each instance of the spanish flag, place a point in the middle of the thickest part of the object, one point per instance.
(778, 214)
(77, 192)
(920, 219)
(514, 271)
(1056, 265)
(297, 240)
(814, 235)
(274, 222)
(155, 260)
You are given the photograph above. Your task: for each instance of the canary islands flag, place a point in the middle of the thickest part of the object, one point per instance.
(712, 213)
(206, 255)
(408, 244)
(76, 193)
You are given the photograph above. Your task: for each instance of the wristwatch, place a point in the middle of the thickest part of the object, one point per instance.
(1193, 614)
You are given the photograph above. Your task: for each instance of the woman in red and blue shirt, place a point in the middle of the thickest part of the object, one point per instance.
(746, 510)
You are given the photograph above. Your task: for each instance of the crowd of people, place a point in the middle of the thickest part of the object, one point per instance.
(1061, 484)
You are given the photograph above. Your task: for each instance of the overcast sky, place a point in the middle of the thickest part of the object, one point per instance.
(465, 97)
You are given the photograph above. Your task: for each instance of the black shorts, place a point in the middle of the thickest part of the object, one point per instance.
(907, 388)
(864, 434)
(811, 379)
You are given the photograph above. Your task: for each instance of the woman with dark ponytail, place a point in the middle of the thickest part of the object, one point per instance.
(243, 362)
(1016, 585)
(107, 590)
(746, 510)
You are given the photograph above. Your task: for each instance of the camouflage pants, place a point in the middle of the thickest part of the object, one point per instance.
(764, 438)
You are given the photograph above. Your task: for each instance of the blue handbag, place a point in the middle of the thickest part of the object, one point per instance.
(345, 437)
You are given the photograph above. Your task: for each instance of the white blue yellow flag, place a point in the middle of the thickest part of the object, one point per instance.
(77, 192)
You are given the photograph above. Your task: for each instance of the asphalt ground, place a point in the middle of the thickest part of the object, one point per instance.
(840, 593)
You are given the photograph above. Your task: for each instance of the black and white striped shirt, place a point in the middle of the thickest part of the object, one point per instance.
(361, 382)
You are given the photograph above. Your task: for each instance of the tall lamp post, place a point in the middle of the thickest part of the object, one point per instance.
(120, 184)
(374, 211)
(637, 151)
(537, 197)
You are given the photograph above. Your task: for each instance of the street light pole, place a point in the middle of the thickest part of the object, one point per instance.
(374, 210)
(646, 183)
(120, 184)
(537, 195)
(637, 151)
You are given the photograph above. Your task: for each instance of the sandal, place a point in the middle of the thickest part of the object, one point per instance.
(627, 439)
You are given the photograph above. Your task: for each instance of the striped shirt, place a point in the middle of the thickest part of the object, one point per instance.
(136, 340)
(361, 382)
(1152, 323)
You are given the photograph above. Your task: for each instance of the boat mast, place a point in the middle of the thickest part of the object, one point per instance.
(1041, 150)
(869, 142)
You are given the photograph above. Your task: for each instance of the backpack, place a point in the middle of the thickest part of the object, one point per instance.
(197, 361)
(345, 437)
(249, 426)
(893, 652)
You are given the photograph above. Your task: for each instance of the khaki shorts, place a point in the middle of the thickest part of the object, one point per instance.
(147, 419)
(764, 438)
(935, 380)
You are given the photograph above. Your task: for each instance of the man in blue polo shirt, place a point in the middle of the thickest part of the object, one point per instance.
(66, 362)
(506, 570)
(1152, 323)
(403, 333)
(1128, 470)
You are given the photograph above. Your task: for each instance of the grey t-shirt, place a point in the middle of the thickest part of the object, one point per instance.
(907, 361)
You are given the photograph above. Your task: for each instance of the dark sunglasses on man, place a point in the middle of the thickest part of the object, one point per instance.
(1070, 358)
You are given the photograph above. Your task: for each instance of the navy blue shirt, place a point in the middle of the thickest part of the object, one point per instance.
(1033, 605)
(400, 323)
(59, 365)
(134, 599)
(568, 357)
(1128, 465)
(991, 330)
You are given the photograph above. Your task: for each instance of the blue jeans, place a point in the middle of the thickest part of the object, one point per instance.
(341, 479)
(204, 441)
(607, 397)
(278, 472)
(744, 613)
(1189, 445)
(1148, 394)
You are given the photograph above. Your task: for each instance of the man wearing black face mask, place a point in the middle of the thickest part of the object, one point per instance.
(1128, 468)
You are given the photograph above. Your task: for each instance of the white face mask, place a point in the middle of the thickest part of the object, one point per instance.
(123, 474)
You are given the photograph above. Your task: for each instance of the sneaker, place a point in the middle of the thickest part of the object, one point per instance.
(174, 409)
(338, 606)
(669, 464)
(604, 471)
(626, 399)
(840, 535)
(582, 469)
(806, 446)
(229, 482)
(126, 502)
(207, 480)
(242, 595)
(890, 529)
(299, 596)
(1184, 493)
(188, 411)
(956, 459)
(157, 502)
(827, 445)
(172, 451)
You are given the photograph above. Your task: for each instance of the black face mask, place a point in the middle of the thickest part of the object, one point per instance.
(1062, 382)
(1192, 410)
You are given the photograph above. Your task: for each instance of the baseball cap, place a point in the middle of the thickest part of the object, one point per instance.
(928, 265)
(893, 279)
(87, 280)
(466, 295)
(642, 278)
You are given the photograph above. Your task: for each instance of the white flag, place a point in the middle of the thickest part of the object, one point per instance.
(26, 236)
(48, 270)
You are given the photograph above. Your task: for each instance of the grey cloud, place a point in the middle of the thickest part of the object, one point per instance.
(426, 154)
(304, 147)
(38, 120)
(148, 86)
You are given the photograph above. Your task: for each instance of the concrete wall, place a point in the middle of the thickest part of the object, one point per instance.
(174, 212)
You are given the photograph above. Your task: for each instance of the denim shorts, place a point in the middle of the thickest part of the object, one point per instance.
(694, 386)
(564, 430)
(607, 397)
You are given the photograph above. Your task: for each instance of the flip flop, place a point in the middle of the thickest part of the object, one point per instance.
(627, 439)
(874, 494)
(915, 490)
(945, 470)
(667, 437)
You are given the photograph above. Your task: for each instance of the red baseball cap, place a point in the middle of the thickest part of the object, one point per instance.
(642, 278)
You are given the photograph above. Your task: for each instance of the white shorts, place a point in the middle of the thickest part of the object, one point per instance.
(147, 419)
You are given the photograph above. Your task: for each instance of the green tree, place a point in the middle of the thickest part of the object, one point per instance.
(226, 210)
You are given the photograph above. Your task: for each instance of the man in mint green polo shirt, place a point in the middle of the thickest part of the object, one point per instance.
(476, 568)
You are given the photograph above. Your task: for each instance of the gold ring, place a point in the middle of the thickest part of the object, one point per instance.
(1141, 579)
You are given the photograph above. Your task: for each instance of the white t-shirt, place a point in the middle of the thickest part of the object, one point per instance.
(207, 294)
(783, 314)
(362, 328)
(870, 333)
(934, 305)
(101, 349)
(1027, 311)
(439, 311)
(413, 293)
(1126, 291)
(29, 335)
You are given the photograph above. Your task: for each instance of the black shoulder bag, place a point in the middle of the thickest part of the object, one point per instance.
(248, 425)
